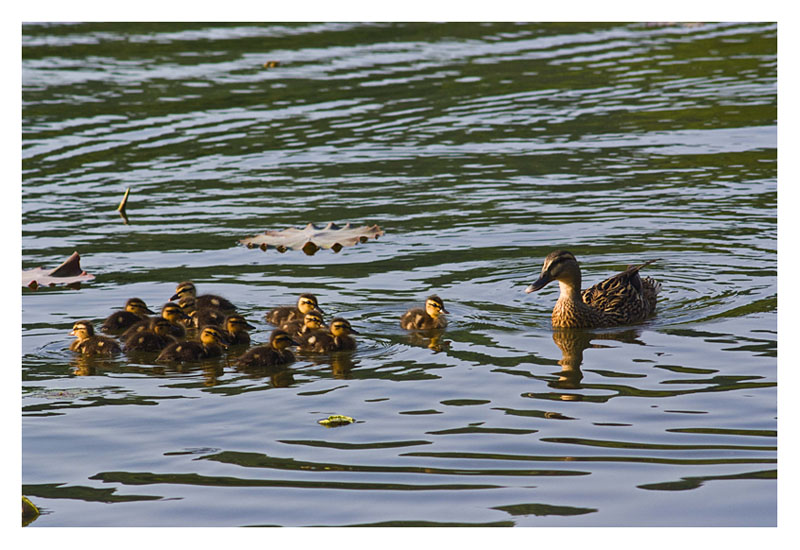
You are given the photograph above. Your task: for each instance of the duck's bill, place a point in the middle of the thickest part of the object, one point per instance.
(538, 285)
(175, 297)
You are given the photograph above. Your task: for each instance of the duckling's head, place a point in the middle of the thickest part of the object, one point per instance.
(188, 304)
(213, 335)
(137, 307)
(561, 266)
(313, 319)
(434, 306)
(186, 288)
(308, 302)
(82, 330)
(341, 327)
(173, 313)
(236, 323)
(280, 340)
(161, 326)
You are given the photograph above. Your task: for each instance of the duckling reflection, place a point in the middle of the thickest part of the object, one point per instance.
(431, 339)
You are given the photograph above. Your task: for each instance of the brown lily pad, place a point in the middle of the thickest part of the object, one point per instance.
(312, 238)
(68, 273)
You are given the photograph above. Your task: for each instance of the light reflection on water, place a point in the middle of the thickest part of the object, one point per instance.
(478, 148)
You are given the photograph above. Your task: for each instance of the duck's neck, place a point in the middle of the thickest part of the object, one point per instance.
(570, 291)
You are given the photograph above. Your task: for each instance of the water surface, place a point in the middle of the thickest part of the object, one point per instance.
(478, 148)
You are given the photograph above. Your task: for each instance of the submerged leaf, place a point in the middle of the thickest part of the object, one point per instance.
(312, 238)
(68, 273)
(336, 420)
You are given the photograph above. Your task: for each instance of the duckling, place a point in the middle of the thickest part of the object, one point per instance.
(119, 321)
(274, 354)
(87, 343)
(205, 316)
(155, 337)
(337, 338)
(236, 328)
(212, 341)
(170, 311)
(619, 300)
(284, 314)
(424, 319)
(311, 321)
(187, 288)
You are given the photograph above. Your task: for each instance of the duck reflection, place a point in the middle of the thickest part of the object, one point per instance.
(431, 339)
(572, 343)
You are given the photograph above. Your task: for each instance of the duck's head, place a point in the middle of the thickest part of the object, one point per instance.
(213, 335)
(173, 313)
(82, 330)
(313, 319)
(434, 306)
(307, 302)
(186, 288)
(280, 340)
(561, 266)
(137, 307)
(341, 327)
(161, 326)
(236, 323)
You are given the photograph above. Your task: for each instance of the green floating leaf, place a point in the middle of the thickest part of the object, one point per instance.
(335, 420)
(312, 238)
(68, 273)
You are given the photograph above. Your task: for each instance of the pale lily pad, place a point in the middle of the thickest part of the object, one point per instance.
(68, 273)
(335, 420)
(312, 238)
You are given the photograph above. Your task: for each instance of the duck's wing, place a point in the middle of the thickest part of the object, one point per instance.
(625, 297)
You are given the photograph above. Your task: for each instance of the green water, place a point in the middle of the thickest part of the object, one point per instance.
(478, 148)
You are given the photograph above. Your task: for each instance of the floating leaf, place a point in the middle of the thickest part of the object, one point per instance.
(68, 273)
(312, 238)
(335, 420)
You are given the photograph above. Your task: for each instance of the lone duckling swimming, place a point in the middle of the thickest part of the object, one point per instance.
(274, 354)
(119, 321)
(285, 314)
(187, 288)
(212, 341)
(619, 300)
(87, 343)
(155, 337)
(236, 328)
(424, 319)
(337, 338)
(311, 321)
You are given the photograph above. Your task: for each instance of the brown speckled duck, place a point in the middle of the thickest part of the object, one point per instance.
(88, 343)
(336, 338)
(187, 288)
(236, 328)
(424, 319)
(310, 322)
(285, 314)
(274, 354)
(212, 341)
(619, 300)
(155, 337)
(119, 321)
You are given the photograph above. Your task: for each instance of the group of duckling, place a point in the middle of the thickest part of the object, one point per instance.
(621, 299)
(193, 328)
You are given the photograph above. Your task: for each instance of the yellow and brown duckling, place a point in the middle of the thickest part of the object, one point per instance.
(206, 316)
(619, 300)
(336, 338)
(187, 288)
(212, 342)
(88, 343)
(236, 328)
(155, 337)
(425, 319)
(119, 321)
(274, 354)
(286, 314)
(170, 311)
(310, 322)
